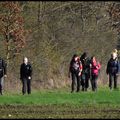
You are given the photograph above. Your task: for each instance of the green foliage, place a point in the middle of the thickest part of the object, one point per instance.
(59, 30)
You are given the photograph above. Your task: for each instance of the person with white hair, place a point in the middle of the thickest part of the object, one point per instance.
(115, 51)
(26, 76)
(113, 69)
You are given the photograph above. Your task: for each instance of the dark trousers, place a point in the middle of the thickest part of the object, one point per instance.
(74, 78)
(94, 82)
(85, 81)
(113, 77)
(26, 85)
(1, 85)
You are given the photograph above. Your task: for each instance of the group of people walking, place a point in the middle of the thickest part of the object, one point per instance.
(25, 75)
(82, 68)
(85, 69)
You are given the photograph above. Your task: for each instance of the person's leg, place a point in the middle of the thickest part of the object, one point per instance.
(110, 81)
(115, 81)
(28, 86)
(95, 83)
(78, 83)
(73, 81)
(83, 81)
(86, 81)
(91, 81)
(0, 86)
(24, 85)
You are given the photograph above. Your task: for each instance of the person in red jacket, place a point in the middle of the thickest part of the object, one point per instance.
(95, 68)
(75, 70)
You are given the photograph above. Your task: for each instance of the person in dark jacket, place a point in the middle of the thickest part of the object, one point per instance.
(26, 76)
(86, 71)
(3, 72)
(113, 69)
(75, 69)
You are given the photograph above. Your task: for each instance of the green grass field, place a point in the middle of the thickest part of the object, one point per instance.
(60, 103)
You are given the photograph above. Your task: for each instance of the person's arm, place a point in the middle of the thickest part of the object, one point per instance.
(30, 71)
(81, 68)
(5, 68)
(21, 71)
(118, 67)
(98, 66)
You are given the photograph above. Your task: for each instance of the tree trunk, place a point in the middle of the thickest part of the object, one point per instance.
(82, 18)
(8, 54)
(37, 42)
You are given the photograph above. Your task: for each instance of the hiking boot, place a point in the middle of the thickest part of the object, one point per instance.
(82, 89)
(72, 91)
(110, 88)
(85, 89)
(96, 90)
(77, 90)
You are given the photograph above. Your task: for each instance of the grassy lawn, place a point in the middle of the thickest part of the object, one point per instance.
(61, 103)
(63, 96)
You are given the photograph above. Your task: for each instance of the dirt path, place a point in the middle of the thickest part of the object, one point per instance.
(58, 111)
